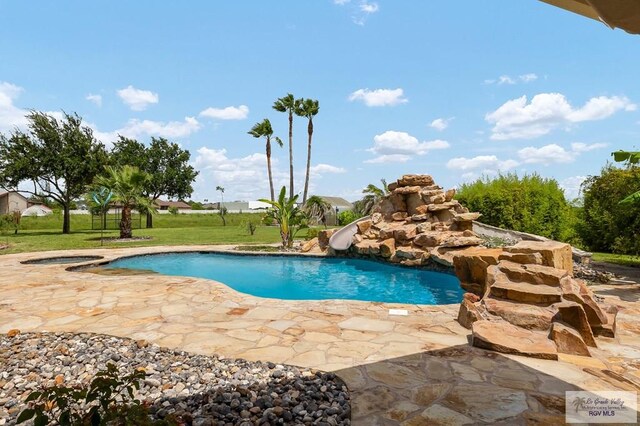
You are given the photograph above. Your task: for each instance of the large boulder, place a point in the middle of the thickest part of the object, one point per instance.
(501, 336)
(470, 266)
(415, 180)
(568, 340)
(555, 254)
(323, 237)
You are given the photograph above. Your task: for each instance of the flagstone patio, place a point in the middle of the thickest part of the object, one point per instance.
(410, 370)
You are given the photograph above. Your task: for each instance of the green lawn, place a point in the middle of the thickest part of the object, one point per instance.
(620, 259)
(44, 233)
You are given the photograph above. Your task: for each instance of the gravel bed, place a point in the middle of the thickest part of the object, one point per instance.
(201, 390)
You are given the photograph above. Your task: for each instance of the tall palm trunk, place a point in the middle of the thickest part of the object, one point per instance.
(290, 153)
(306, 180)
(125, 222)
(273, 197)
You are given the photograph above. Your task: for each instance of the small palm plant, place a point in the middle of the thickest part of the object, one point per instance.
(127, 185)
(289, 216)
(373, 195)
(316, 208)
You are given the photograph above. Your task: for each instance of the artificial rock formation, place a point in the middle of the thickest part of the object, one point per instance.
(525, 301)
(415, 224)
(521, 299)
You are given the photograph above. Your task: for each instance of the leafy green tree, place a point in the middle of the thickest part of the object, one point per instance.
(166, 163)
(263, 129)
(607, 224)
(373, 195)
(127, 185)
(60, 157)
(288, 215)
(631, 158)
(317, 208)
(288, 104)
(529, 204)
(308, 108)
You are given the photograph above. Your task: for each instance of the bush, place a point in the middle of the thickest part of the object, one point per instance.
(109, 399)
(250, 226)
(529, 204)
(605, 224)
(173, 210)
(347, 216)
(311, 233)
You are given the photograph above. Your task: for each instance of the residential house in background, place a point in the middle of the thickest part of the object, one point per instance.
(166, 205)
(338, 205)
(12, 201)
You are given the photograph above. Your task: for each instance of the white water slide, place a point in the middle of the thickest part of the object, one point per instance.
(343, 238)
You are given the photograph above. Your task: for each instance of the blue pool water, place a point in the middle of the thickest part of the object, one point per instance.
(307, 278)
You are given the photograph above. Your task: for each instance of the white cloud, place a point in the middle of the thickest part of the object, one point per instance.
(136, 99)
(518, 119)
(580, 147)
(440, 123)
(572, 186)
(341, 2)
(379, 97)
(369, 8)
(389, 158)
(138, 128)
(398, 147)
(486, 162)
(526, 78)
(547, 154)
(507, 79)
(10, 115)
(96, 99)
(553, 153)
(244, 178)
(228, 113)
(321, 168)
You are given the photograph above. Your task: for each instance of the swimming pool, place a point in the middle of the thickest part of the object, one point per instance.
(307, 278)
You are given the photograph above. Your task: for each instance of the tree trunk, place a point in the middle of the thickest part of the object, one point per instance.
(149, 220)
(273, 197)
(125, 222)
(290, 153)
(66, 218)
(306, 180)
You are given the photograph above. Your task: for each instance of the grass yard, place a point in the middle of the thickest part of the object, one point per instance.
(619, 259)
(44, 233)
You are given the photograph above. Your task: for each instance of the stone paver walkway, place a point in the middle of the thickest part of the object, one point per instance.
(409, 370)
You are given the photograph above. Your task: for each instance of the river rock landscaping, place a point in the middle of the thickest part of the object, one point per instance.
(196, 389)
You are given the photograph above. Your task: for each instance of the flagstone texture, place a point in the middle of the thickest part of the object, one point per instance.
(402, 370)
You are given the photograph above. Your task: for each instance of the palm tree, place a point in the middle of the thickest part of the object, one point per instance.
(127, 185)
(288, 215)
(317, 208)
(223, 210)
(307, 108)
(264, 129)
(288, 104)
(373, 195)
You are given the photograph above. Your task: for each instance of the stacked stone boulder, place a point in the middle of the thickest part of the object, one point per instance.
(520, 299)
(415, 223)
(524, 300)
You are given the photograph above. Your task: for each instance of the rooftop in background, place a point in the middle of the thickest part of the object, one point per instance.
(165, 205)
(339, 202)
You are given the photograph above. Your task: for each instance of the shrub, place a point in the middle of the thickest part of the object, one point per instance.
(529, 204)
(605, 224)
(311, 233)
(250, 226)
(109, 399)
(173, 210)
(347, 216)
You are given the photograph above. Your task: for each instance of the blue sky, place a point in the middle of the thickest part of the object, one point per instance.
(455, 89)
